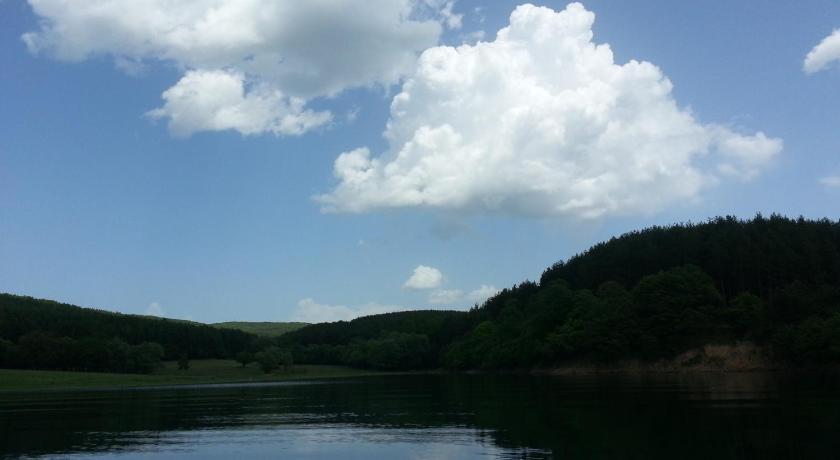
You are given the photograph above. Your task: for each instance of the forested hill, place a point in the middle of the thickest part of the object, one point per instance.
(262, 328)
(401, 340)
(659, 292)
(768, 287)
(756, 256)
(22, 316)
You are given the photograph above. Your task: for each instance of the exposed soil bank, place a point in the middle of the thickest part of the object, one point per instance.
(738, 357)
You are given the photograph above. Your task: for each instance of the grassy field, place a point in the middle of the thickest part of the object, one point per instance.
(200, 372)
(261, 328)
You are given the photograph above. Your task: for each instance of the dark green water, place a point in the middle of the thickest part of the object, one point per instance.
(437, 417)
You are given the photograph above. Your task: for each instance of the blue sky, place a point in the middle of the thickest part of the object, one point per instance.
(127, 181)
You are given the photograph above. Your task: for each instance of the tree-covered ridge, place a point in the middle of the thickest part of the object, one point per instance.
(647, 295)
(20, 315)
(262, 328)
(658, 292)
(757, 255)
(401, 340)
(655, 294)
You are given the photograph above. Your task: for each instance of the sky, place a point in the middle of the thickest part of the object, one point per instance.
(316, 161)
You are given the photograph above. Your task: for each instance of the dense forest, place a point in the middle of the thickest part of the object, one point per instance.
(397, 341)
(42, 334)
(650, 295)
(262, 328)
(646, 295)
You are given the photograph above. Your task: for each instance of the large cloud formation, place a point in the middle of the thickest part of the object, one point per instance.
(826, 52)
(269, 56)
(541, 121)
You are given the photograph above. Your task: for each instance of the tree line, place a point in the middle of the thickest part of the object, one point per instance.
(393, 341)
(20, 315)
(648, 295)
(662, 315)
(38, 350)
(42, 334)
(758, 256)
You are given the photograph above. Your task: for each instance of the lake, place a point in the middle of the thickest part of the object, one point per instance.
(437, 417)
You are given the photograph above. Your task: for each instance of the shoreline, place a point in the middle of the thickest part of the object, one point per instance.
(209, 373)
(741, 358)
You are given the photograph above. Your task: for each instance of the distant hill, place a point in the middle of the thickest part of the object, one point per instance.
(264, 329)
(21, 316)
(399, 340)
(721, 294)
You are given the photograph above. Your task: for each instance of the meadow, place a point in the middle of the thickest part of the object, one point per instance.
(205, 371)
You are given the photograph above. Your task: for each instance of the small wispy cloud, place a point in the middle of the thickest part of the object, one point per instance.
(456, 296)
(830, 181)
(154, 309)
(310, 311)
(446, 296)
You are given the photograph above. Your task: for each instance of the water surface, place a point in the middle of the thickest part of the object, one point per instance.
(437, 417)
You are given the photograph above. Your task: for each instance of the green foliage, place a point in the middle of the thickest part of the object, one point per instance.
(814, 340)
(649, 294)
(244, 358)
(773, 281)
(593, 325)
(145, 358)
(392, 341)
(267, 360)
(39, 350)
(261, 343)
(286, 360)
(204, 371)
(482, 346)
(265, 329)
(393, 350)
(674, 310)
(7, 350)
(755, 256)
(118, 352)
(273, 358)
(747, 315)
(21, 315)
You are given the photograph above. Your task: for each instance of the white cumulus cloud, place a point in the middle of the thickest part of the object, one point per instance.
(744, 156)
(826, 52)
(310, 311)
(217, 100)
(424, 277)
(282, 53)
(543, 122)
